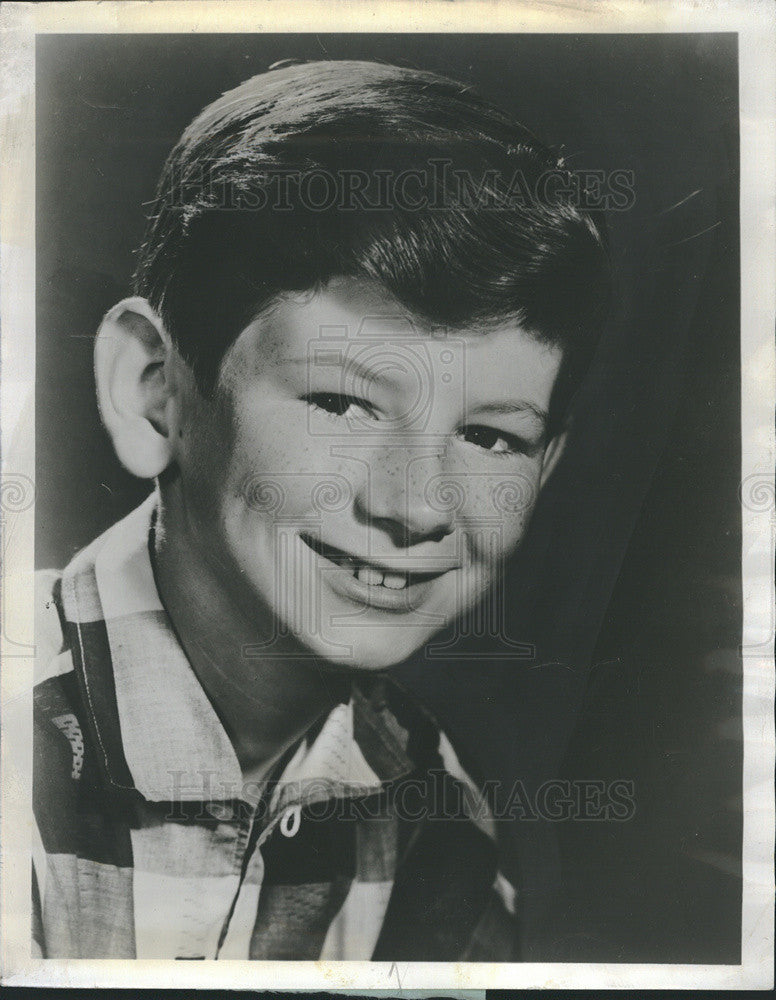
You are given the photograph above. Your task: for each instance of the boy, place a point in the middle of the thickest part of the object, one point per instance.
(355, 331)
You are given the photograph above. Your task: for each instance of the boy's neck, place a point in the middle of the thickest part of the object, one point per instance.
(265, 702)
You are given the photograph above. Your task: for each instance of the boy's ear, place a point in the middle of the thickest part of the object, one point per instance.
(132, 391)
(552, 454)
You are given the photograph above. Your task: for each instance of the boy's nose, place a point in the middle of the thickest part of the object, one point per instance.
(397, 496)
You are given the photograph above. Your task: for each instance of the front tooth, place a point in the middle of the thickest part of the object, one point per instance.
(370, 576)
(395, 581)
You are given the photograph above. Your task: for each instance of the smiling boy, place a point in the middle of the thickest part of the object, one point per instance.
(352, 331)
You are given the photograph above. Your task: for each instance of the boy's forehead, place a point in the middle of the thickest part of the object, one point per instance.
(360, 316)
(347, 309)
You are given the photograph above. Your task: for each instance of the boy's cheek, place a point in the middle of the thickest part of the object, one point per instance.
(490, 543)
(212, 448)
(499, 507)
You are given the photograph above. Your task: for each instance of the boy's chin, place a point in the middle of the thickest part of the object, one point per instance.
(365, 655)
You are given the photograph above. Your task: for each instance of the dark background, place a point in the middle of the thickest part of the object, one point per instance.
(629, 582)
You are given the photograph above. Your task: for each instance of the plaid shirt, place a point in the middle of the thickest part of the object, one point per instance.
(366, 841)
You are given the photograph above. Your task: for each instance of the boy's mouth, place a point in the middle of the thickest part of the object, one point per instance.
(367, 572)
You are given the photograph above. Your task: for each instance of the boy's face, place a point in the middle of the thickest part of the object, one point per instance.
(358, 480)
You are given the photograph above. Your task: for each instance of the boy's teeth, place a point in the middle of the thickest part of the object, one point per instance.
(375, 578)
(370, 576)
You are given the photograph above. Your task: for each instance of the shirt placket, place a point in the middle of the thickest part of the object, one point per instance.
(206, 903)
(233, 937)
(256, 824)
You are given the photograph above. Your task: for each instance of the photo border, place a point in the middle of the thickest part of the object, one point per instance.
(20, 23)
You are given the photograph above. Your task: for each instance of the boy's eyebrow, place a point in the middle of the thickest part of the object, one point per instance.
(519, 406)
(334, 359)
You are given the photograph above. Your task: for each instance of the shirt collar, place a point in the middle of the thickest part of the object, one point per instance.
(153, 721)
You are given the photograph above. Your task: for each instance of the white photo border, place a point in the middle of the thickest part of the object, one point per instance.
(20, 23)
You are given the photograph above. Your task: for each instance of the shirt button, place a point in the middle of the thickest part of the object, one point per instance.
(220, 811)
(289, 824)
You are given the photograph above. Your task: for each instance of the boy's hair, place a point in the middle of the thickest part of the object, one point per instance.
(320, 169)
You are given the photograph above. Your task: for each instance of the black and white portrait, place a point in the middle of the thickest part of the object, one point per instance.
(388, 448)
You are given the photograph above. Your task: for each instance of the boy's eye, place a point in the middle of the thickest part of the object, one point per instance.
(490, 439)
(336, 403)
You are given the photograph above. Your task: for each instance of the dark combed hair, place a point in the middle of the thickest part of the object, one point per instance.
(293, 178)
